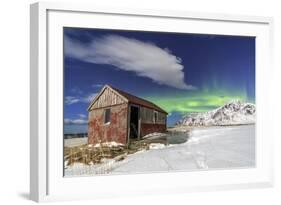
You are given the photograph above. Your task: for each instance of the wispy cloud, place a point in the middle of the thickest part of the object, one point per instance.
(79, 121)
(76, 90)
(69, 100)
(88, 98)
(75, 121)
(97, 85)
(144, 58)
(82, 116)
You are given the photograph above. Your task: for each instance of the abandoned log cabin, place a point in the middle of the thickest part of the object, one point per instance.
(115, 115)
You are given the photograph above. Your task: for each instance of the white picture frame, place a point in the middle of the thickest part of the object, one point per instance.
(46, 180)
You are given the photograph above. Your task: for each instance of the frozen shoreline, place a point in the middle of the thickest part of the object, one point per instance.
(207, 148)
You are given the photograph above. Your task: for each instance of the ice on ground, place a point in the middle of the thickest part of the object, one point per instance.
(154, 135)
(206, 148)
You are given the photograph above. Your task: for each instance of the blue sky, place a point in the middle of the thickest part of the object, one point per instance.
(179, 72)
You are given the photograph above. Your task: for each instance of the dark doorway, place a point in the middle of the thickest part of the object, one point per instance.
(134, 122)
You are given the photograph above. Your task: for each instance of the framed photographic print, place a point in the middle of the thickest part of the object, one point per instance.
(151, 101)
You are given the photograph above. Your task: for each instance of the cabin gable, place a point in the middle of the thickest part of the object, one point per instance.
(106, 98)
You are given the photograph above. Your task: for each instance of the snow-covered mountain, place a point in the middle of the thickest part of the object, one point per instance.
(232, 113)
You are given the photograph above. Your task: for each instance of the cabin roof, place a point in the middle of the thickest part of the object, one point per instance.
(139, 101)
(131, 99)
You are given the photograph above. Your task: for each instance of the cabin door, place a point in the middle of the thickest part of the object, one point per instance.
(134, 122)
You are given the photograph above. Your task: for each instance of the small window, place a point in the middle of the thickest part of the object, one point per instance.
(106, 116)
(155, 116)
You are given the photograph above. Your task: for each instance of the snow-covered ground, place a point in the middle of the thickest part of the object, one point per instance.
(75, 142)
(206, 148)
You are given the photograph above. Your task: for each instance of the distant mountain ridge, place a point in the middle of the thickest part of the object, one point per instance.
(232, 113)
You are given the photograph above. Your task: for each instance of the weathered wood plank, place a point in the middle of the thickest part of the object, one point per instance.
(147, 116)
(108, 98)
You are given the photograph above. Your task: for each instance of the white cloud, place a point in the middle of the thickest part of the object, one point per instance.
(75, 121)
(144, 58)
(82, 116)
(88, 98)
(80, 121)
(69, 100)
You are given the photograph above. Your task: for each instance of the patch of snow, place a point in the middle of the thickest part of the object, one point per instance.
(65, 163)
(80, 169)
(156, 146)
(109, 144)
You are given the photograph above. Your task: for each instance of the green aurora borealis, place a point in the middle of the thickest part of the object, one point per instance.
(197, 101)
